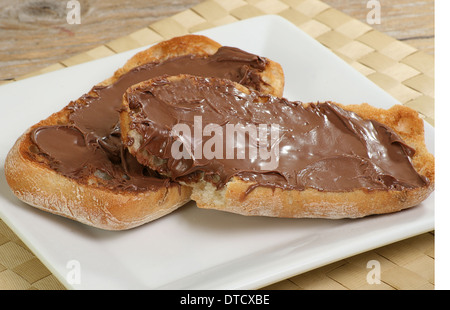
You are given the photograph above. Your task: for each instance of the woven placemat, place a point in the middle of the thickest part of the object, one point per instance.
(403, 71)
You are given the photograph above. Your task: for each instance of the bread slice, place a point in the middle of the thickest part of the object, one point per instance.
(238, 193)
(109, 200)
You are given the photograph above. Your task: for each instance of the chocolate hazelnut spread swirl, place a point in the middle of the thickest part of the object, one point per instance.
(90, 144)
(321, 146)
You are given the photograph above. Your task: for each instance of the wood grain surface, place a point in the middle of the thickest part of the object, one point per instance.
(34, 34)
(410, 21)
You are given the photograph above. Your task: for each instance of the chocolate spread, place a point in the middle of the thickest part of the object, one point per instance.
(321, 146)
(90, 144)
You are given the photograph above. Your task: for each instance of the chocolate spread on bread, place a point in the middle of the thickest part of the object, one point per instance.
(90, 144)
(321, 146)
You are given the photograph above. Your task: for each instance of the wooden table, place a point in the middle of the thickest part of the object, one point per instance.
(35, 35)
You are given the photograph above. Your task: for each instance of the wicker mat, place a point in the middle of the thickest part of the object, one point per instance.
(403, 71)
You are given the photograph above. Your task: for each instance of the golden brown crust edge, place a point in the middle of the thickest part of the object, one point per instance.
(273, 75)
(45, 189)
(178, 46)
(312, 203)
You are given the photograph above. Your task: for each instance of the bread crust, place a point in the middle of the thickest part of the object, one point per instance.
(38, 185)
(236, 197)
(86, 200)
(273, 74)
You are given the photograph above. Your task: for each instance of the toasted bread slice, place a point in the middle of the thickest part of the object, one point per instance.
(385, 140)
(109, 199)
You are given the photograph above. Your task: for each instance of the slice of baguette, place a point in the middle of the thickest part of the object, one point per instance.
(241, 197)
(312, 203)
(91, 200)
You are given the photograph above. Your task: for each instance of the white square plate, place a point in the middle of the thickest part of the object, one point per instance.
(194, 248)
